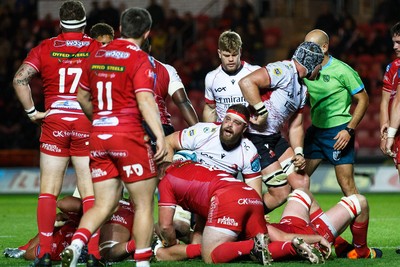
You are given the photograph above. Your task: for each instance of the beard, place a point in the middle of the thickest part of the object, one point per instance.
(228, 139)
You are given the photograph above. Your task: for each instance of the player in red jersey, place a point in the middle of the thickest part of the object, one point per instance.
(169, 84)
(116, 93)
(115, 235)
(225, 206)
(230, 217)
(64, 127)
(389, 92)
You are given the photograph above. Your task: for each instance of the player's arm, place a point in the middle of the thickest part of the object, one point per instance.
(343, 137)
(182, 101)
(296, 137)
(249, 85)
(149, 110)
(166, 225)
(84, 98)
(394, 122)
(384, 118)
(210, 112)
(21, 86)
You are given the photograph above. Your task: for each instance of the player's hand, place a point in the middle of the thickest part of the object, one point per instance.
(342, 139)
(259, 121)
(39, 116)
(384, 129)
(161, 152)
(325, 248)
(382, 145)
(299, 162)
(388, 148)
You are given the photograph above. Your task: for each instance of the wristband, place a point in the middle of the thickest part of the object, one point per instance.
(261, 109)
(391, 132)
(299, 151)
(31, 112)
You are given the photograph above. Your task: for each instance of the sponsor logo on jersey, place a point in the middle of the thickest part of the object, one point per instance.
(191, 132)
(107, 68)
(68, 134)
(66, 104)
(220, 89)
(74, 43)
(118, 218)
(106, 121)
(98, 173)
(206, 129)
(231, 100)
(249, 201)
(115, 154)
(69, 55)
(52, 148)
(227, 221)
(112, 54)
(134, 168)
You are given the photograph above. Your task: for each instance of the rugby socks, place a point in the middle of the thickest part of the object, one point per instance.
(46, 216)
(193, 251)
(359, 231)
(281, 250)
(229, 251)
(142, 257)
(93, 245)
(316, 214)
(130, 246)
(82, 235)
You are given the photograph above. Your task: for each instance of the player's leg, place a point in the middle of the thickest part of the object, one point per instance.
(345, 178)
(142, 195)
(108, 193)
(296, 179)
(52, 170)
(113, 242)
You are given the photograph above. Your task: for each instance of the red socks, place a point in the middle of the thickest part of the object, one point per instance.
(193, 251)
(46, 216)
(229, 251)
(93, 244)
(281, 250)
(143, 254)
(359, 231)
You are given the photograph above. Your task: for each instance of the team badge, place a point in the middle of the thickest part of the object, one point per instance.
(337, 154)
(326, 78)
(277, 71)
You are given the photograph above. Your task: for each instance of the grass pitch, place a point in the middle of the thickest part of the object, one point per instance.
(18, 225)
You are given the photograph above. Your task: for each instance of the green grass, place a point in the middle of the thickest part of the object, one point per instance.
(18, 225)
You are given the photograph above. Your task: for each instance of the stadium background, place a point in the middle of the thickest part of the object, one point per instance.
(187, 38)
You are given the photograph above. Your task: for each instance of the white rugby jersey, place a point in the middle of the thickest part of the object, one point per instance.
(285, 96)
(223, 89)
(203, 139)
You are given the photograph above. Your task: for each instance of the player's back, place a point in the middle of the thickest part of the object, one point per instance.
(113, 75)
(191, 185)
(60, 60)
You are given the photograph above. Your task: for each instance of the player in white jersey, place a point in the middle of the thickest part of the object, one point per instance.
(278, 95)
(221, 85)
(222, 146)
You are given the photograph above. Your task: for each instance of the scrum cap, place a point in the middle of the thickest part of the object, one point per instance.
(309, 55)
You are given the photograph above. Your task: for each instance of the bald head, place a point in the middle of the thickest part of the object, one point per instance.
(317, 36)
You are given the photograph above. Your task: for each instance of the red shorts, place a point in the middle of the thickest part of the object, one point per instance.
(126, 155)
(237, 209)
(65, 135)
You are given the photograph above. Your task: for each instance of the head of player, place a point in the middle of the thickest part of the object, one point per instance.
(72, 16)
(395, 33)
(233, 126)
(229, 51)
(310, 56)
(102, 32)
(136, 24)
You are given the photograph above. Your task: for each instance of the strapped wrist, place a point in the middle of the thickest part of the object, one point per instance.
(31, 112)
(299, 151)
(391, 132)
(261, 109)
